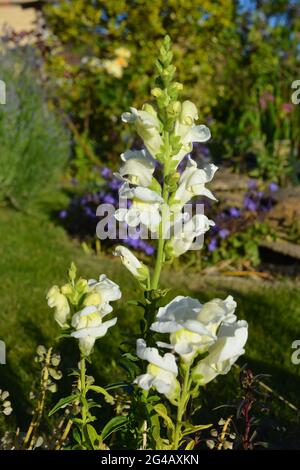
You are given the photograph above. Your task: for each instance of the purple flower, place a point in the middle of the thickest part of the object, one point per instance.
(63, 214)
(265, 98)
(106, 173)
(109, 199)
(273, 187)
(287, 107)
(224, 233)
(148, 249)
(252, 184)
(215, 229)
(249, 204)
(234, 212)
(212, 244)
(89, 212)
(115, 184)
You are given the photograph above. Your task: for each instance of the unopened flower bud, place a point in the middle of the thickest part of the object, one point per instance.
(157, 92)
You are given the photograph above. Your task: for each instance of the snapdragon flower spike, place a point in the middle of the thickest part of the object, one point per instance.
(193, 326)
(161, 372)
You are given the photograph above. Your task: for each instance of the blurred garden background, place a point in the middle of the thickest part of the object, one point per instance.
(71, 68)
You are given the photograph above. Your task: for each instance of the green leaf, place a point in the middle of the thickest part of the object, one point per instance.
(108, 398)
(161, 410)
(94, 437)
(190, 428)
(55, 374)
(76, 435)
(190, 445)
(63, 402)
(120, 384)
(114, 425)
(130, 367)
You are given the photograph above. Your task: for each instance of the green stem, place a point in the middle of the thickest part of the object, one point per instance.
(161, 240)
(83, 395)
(159, 260)
(183, 401)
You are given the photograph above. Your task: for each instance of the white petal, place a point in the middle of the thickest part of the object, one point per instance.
(167, 362)
(145, 381)
(120, 214)
(96, 332)
(199, 133)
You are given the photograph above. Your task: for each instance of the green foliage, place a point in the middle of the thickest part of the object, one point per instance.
(34, 143)
(228, 57)
(94, 32)
(265, 308)
(243, 246)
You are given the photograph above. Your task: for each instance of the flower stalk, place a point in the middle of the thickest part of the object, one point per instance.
(182, 405)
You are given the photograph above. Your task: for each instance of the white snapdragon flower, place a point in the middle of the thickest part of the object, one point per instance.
(188, 131)
(60, 302)
(89, 326)
(137, 269)
(145, 207)
(185, 234)
(161, 371)
(224, 352)
(138, 167)
(101, 293)
(192, 183)
(193, 326)
(147, 126)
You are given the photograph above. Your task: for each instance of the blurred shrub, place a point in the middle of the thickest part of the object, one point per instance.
(99, 55)
(34, 142)
(229, 54)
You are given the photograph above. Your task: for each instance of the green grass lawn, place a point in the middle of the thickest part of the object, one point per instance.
(35, 254)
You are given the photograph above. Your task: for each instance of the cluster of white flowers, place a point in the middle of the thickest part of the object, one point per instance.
(207, 337)
(143, 189)
(90, 302)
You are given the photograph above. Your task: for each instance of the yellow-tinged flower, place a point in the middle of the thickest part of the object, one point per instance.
(89, 326)
(137, 269)
(185, 234)
(147, 126)
(188, 131)
(193, 326)
(123, 52)
(192, 183)
(138, 167)
(60, 302)
(229, 346)
(161, 372)
(145, 207)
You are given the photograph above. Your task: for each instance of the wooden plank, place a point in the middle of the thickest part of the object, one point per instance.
(282, 246)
